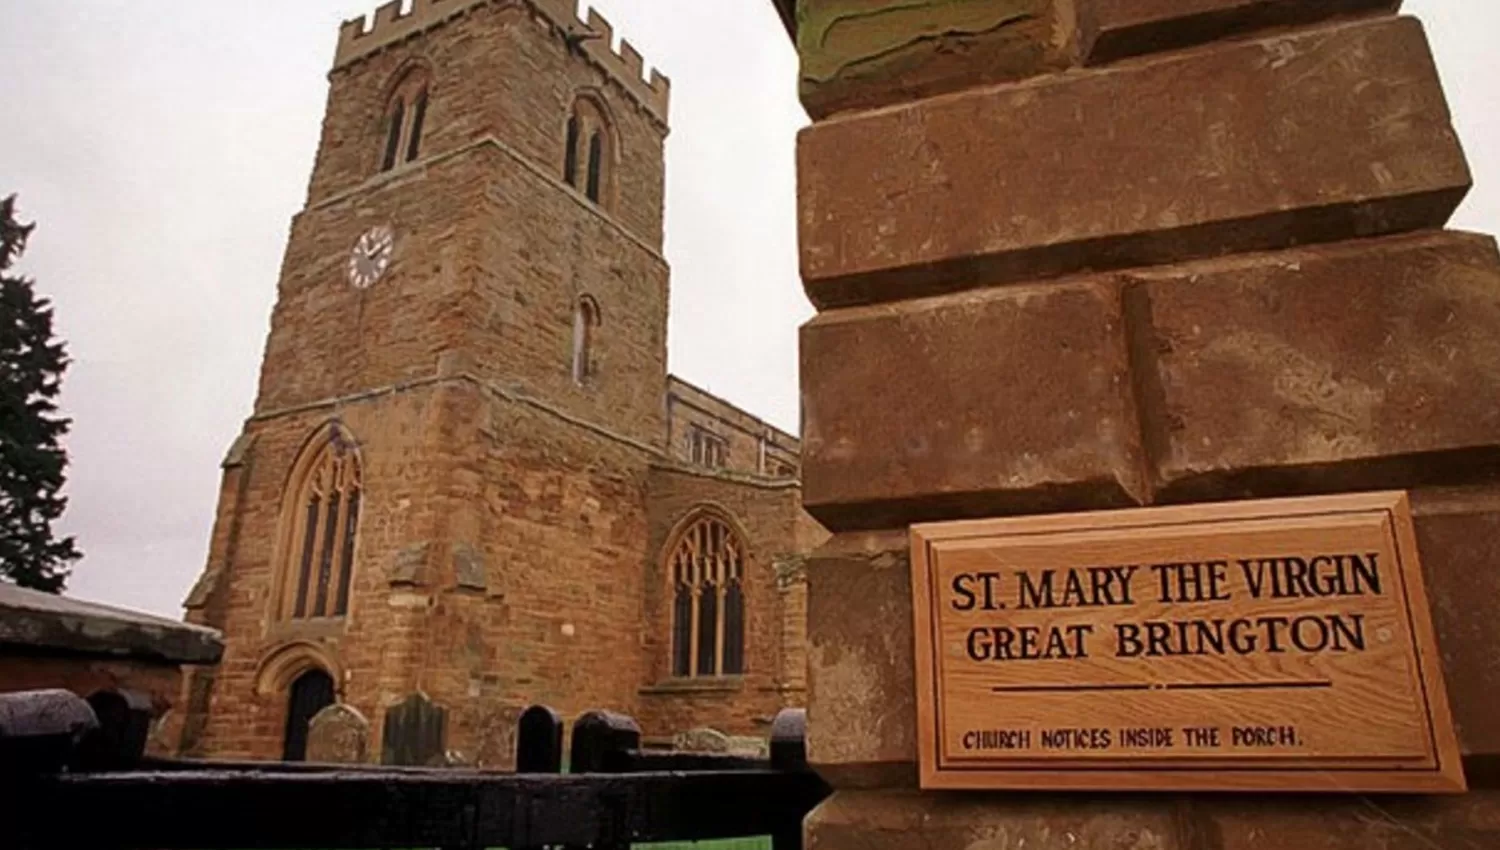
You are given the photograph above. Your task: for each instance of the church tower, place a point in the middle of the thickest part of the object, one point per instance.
(438, 508)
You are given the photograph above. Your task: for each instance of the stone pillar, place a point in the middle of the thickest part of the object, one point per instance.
(1083, 254)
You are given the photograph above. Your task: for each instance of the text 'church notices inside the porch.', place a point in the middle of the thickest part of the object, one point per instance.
(1282, 645)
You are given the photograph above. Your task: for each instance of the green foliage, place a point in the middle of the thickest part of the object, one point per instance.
(32, 461)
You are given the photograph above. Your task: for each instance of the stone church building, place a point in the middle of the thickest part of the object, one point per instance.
(468, 480)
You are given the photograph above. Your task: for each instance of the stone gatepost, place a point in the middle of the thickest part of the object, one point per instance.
(1086, 254)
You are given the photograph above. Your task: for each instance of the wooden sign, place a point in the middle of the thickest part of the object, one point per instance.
(1276, 645)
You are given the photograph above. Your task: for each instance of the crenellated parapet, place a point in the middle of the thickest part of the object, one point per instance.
(593, 38)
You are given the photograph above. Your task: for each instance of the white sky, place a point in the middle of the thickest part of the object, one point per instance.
(162, 148)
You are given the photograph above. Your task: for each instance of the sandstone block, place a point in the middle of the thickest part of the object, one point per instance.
(1004, 401)
(1470, 822)
(1370, 364)
(1117, 28)
(1316, 136)
(862, 718)
(874, 820)
(1458, 535)
(864, 53)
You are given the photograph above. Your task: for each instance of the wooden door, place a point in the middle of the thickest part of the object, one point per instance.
(310, 694)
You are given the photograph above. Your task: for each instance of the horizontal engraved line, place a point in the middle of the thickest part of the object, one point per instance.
(1191, 686)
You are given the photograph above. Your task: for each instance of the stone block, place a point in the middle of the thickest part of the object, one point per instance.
(862, 718)
(408, 567)
(1113, 29)
(1369, 364)
(1316, 136)
(877, 820)
(858, 54)
(1458, 536)
(1469, 822)
(1002, 401)
(469, 567)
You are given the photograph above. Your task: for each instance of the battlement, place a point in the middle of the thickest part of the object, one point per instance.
(360, 37)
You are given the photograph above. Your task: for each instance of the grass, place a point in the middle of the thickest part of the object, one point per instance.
(726, 844)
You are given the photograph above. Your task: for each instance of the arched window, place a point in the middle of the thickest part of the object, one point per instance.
(586, 321)
(320, 523)
(570, 158)
(405, 119)
(706, 565)
(590, 143)
(596, 165)
(310, 693)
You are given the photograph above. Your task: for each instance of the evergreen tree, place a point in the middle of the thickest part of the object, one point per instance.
(32, 463)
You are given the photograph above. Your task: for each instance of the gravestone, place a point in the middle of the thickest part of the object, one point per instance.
(338, 734)
(713, 741)
(701, 741)
(539, 748)
(1052, 285)
(415, 734)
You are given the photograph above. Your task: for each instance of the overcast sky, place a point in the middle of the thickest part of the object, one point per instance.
(162, 148)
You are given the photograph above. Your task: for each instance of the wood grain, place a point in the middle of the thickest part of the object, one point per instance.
(1271, 645)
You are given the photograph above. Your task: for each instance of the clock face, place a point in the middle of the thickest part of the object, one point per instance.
(371, 256)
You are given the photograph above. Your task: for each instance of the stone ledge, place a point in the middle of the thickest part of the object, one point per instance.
(726, 685)
(39, 622)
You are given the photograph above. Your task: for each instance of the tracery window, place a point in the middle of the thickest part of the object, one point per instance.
(707, 449)
(405, 120)
(321, 524)
(588, 143)
(586, 322)
(706, 566)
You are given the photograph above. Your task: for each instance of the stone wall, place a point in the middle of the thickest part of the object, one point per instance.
(768, 517)
(500, 71)
(87, 676)
(1109, 253)
(407, 459)
(50, 642)
(752, 445)
(510, 531)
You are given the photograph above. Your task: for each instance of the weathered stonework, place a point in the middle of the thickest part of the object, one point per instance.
(1469, 822)
(51, 642)
(1254, 200)
(513, 510)
(858, 54)
(1458, 533)
(879, 820)
(862, 715)
(1014, 183)
(1114, 29)
(338, 735)
(931, 408)
(1353, 366)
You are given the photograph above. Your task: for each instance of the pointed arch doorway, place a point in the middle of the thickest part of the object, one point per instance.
(310, 693)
